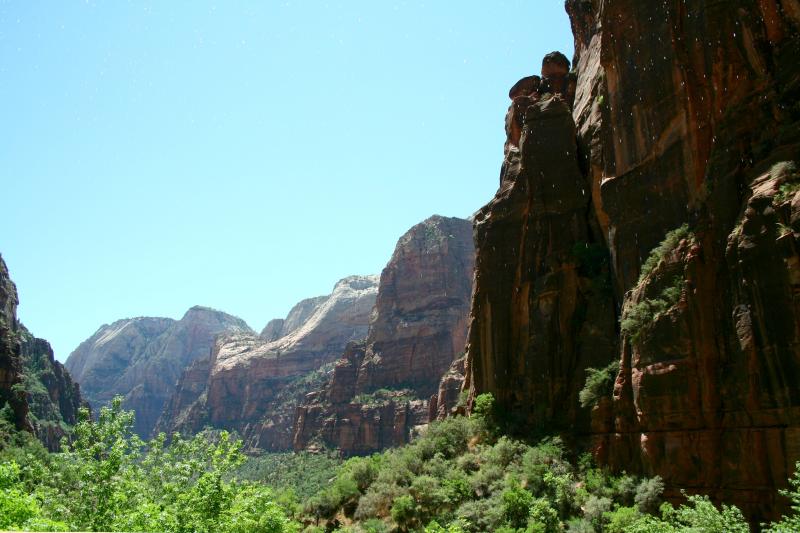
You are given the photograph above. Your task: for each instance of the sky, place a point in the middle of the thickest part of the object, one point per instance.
(241, 155)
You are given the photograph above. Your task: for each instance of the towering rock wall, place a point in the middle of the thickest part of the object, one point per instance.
(380, 390)
(142, 359)
(685, 116)
(40, 393)
(52, 396)
(10, 360)
(541, 311)
(251, 384)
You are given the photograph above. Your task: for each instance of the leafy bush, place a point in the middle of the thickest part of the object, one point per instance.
(484, 409)
(404, 512)
(618, 520)
(384, 396)
(648, 494)
(599, 384)
(670, 242)
(543, 518)
(789, 522)
(637, 317)
(108, 480)
(517, 506)
(302, 473)
(700, 516)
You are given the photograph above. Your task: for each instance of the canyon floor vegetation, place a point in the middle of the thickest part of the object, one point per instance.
(460, 476)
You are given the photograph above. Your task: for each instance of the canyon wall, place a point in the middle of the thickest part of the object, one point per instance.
(655, 225)
(386, 386)
(10, 360)
(142, 358)
(251, 383)
(39, 393)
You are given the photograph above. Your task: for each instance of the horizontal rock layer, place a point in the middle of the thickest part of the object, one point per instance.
(249, 382)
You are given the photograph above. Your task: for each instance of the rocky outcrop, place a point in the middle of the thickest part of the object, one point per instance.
(685, 116)
(421, 312)
(356, 424)
(251, 384)
(10, 360)
(541, 311)
(298, 315)
(379, 391)
(52, 396)
(142, 358)
(39, 393)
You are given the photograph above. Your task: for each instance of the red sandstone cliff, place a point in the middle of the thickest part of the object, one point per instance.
(684, 114)
(379, 391)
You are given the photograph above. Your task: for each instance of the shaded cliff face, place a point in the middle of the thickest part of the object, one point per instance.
(541, 311)
(685, 114)
(38, 390)
(379, 391)
(247, 383)
(52, 396)
(142, 359)
(10, 360)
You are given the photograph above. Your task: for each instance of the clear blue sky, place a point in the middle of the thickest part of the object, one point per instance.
(243, 156)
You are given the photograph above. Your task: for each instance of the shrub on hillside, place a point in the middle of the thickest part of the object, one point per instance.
(671, 241)
(599, 384)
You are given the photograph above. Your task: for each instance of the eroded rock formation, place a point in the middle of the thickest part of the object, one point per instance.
(10, 360)
(541, 311)
(380, 390)
(251, 383)
(142, 359)
(685, 115)
(39, 392)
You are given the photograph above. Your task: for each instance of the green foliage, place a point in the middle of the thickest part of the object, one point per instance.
(295, 390)
(789, 522)
(485, 410)
(107, 479)
(404, 512)
(38, 369)
(384, 396)
(667, 246)
(543, 518)
(459, 476)
(517, 506)
(599, 384)
(648, 494)
(303, 473)
(699, 516)
(621, 518)
(787, 191)
(637, 317)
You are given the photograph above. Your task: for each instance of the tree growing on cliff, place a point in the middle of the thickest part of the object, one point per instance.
(599, 384)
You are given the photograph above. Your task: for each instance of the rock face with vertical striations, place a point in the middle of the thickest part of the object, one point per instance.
(541, 311)
(380, 390)
(143, 358)
(655, 224)
(39, 392)
(251, 383)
